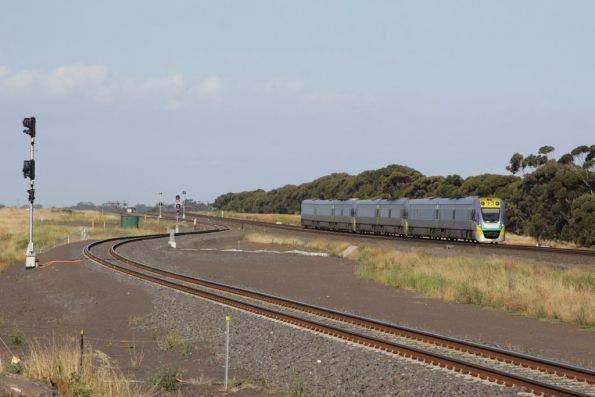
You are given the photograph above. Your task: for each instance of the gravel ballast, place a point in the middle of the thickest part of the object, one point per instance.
(294, 358)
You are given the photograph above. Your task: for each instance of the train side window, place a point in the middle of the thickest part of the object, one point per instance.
(315, 211)
(390, 212)
(437, 215)
(453, 214)
(352, 212)
(377, 212)
(341, 211)
(473, 214)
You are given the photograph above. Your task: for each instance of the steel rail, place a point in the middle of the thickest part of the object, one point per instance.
(512, 247)
(457, 365)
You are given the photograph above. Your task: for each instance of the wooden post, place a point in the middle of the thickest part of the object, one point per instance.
(82, 349)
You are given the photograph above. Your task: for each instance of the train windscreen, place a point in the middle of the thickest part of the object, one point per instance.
(490, 214)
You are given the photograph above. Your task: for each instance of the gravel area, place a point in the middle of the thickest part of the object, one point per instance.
(294, 358)
(483, 361)
(330, 282)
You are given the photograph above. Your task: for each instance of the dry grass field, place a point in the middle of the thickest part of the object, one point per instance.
(534, 289)
(287, 219)
(54, 227)
(512, 238)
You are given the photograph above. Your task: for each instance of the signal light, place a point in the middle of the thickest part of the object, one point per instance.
(177, 206)
(29, 124)
(29, 169)
(177, 197)
(31, 195)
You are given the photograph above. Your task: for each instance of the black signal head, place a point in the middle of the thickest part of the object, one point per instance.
(29, 124)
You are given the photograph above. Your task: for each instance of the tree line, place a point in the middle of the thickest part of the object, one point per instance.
(545, 197)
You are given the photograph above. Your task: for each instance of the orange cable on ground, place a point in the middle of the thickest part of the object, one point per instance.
(50, 263)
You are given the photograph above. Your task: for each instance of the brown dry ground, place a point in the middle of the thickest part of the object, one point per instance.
(59, 300)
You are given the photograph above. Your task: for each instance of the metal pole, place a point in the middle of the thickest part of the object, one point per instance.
(227, 319)
(31, 202)
(184, 205)
(30, 256)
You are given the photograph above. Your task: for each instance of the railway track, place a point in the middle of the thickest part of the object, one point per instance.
(533, 374)
(500, 247)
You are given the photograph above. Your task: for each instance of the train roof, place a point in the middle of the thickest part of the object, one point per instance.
(424, 201)
(317, 201)
(383, 201)
(443, 201)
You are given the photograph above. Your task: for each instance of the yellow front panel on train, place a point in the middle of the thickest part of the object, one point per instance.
(489, 202)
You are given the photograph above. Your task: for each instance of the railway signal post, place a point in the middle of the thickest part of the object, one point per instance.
(177, 212)
(184, 205)
(29, 172)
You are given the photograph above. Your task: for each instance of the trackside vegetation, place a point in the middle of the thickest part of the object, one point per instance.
(534, 289)
(546, 197)
(54, 227)
(56, 362)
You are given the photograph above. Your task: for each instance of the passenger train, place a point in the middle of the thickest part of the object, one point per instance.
(480, 219)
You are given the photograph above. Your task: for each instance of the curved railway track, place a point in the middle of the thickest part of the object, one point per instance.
(501, 247)
(553, 379)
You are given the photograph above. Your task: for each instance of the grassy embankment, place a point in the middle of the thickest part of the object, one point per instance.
(54, 227)
(537, 290)
(287, 219)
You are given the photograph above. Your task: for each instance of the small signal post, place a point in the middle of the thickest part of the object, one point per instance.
(177, 212)
(184, 205)
(29, 172)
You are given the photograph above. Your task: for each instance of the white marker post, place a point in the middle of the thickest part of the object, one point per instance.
(227, 319)
(160, 203)
(172, 238)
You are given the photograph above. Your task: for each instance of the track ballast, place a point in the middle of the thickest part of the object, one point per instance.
(513, 369)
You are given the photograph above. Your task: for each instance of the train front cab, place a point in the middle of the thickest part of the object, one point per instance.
(490, 219)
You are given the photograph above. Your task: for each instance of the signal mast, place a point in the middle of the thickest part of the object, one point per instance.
(29, 172)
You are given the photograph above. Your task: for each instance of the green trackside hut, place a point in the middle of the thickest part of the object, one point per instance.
(129, 221)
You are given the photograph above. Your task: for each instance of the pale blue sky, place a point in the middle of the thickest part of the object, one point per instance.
(133, 98)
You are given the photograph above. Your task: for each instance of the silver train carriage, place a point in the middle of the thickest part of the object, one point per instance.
(479, 219)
